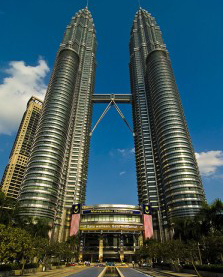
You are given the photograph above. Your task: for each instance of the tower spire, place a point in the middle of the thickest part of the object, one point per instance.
(87, 4)
(139, 3)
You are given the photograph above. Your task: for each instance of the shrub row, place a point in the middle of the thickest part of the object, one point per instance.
(212, 268)
(57, 263)
(9, 267)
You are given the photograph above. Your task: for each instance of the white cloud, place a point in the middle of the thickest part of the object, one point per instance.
(122, 173)
(122, 151)
(218, 176)
(209, 162)
(126, 151)
(22, 82)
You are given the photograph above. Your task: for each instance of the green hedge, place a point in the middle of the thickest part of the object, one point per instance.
(33, 265)
(9, 267)
(161, 265)
(212, 268)
(57, 263)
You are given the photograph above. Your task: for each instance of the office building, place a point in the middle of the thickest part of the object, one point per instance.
(14, 172)
(167, 172)
(57, 169)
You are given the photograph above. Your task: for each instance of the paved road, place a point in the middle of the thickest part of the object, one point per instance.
(128, 272)
(90, 272)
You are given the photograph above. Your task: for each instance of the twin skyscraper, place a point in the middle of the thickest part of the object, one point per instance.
(167, 172)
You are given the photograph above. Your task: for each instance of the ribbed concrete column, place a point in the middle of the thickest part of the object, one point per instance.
(101, 245)
(122, 256)
(81, 249)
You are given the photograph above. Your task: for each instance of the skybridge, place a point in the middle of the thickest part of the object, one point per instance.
(107, 98)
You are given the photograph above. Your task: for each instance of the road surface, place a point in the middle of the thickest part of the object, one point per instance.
(89, 272)
(129, 272)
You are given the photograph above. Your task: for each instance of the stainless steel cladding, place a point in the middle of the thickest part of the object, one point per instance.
(57, 169)
(179, 171)
(167, 171)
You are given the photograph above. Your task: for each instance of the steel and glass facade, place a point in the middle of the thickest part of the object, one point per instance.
(14, 172)
(167, 171)
(57, 170)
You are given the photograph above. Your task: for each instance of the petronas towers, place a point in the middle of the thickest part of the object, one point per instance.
(57, 170)
(167, 172)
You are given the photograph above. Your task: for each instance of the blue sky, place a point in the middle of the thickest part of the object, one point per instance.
(31, 32)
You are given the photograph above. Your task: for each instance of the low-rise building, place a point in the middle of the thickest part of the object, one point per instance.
(110, 232)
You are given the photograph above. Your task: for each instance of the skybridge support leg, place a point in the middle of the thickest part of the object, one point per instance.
(119, 112)
(101, 117)
(123, 117)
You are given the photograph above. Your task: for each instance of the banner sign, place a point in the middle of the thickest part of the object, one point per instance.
(148, 224)
(85, 227)
(108, 211)
(75, 219)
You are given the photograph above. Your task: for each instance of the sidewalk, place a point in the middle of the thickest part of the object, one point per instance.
(66, 271)
(156, 272)
(178, 274)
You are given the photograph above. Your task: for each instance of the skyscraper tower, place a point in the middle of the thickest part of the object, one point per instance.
(14, 172)
(57, 170)
(167, 171)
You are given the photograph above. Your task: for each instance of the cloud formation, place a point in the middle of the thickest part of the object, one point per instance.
(122, 173)
(209, 162)
(126, 151)
(22, 82)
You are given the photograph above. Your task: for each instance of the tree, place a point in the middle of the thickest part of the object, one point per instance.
(208, 221)
(187, 228)
(6, 209)
(41, 246)
(2, 198)
(173, 250)
(15, 244)
(39, 227)
(212, 249)
(212, 216)
(150, 250)
(65, 253)
(73, 243)
(154, 250)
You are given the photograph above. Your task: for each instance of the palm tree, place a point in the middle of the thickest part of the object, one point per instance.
(217, 215)
(211, 217)
(186, 229)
